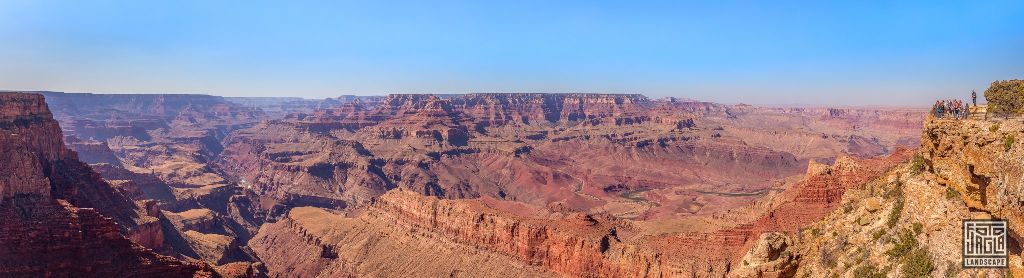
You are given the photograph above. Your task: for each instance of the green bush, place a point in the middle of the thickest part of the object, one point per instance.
(918, 164)
(951, 193)
(918, 228)
(905, 243)
(1008, 142)
(993, 128)
(915, 259)
(917, 264)
(878, 234)
(1005, 97)
(894, 214)
(868, 271)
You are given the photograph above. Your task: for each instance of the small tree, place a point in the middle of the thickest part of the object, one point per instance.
(1005, 97)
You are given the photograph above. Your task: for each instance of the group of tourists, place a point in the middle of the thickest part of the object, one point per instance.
(954, 108)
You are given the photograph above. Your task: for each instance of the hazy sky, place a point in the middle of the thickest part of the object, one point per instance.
(813, 52)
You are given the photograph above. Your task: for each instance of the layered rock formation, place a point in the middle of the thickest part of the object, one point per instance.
(55, 209)
(503, 243)
(552, 238)
(562, 184)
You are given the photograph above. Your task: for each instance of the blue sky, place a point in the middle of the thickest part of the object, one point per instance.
(759, 52)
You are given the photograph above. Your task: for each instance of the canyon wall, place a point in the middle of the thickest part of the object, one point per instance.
(60, 217)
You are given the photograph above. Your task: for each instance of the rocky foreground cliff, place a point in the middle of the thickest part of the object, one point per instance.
(908, 223)
(59, 219)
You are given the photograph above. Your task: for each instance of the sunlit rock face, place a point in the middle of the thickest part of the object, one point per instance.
(548, 184)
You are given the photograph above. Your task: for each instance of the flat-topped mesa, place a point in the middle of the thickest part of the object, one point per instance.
(166, 106)
(500, 109)
(477, 110)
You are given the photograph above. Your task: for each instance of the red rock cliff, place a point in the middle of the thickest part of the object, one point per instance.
(54, 208)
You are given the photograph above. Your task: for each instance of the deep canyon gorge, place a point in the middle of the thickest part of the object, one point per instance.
(469, 185)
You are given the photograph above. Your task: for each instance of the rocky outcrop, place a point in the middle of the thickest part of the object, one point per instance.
(981, 160)
(982, 164)
(908, 222)
(55, 209)
(770, 257)
(38, 163)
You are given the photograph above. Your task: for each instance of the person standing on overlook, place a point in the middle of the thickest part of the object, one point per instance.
(974, 98)
(967, 111)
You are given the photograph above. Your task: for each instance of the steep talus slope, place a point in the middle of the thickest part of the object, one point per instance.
(55, 207)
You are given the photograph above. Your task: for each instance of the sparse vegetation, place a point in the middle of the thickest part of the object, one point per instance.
(993, 128)
(868, 271)
(915, 259)
(918, 263)
(918, 164)
(1008, 142)
(878, 234)
(918, 228)
(1005, 97)
(951, 193)
(905, 243)
(897, 209)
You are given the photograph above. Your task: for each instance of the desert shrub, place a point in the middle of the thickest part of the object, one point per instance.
(847, 208)
(894, 214)
(951, 193)
(1008, 142)
(1005, 97)
(868, 271)
(878, 234)
(993, 128)
(915, 259)
(918, 228)
(917, 165)
(918, 263)
(905, 243)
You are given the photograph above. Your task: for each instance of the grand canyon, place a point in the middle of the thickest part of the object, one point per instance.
(470, 185)
(649, 139)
